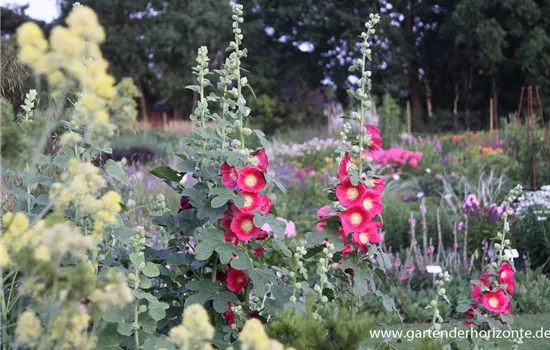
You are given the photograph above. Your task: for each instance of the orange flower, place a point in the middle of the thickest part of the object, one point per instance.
(455, 138)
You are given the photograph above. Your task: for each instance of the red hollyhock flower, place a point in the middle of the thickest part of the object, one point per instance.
(251, 179)
(370, 234)
(355, 219)
(350, 195)
(266, 205)
(236, 280)
(373, 139)
(343, 168)
(227, 218)
(263, 162)
(184, 204)
(372, 202)
(243, 226)
(262, 235)
(252, 201)
(229, 315)
(231, 237)
(376, 184)
(221, 277)
(259, 252)
(253, 314)
(343, 235)
(229, 175)
(322, 214)
(346, 250)
(506, 277)
(468, 315)
(476, 288)
(496, 301)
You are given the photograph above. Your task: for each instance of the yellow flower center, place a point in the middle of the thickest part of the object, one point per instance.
(493, 302)
(247, 226)
(363, 238)
(367, 204)
(352, 193)
(247, 201)
(356, 219)
(250, 180)
(503, 274)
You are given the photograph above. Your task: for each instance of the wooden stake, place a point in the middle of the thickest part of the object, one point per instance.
(491, 114)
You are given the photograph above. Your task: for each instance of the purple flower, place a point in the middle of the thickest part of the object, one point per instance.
(470, 204)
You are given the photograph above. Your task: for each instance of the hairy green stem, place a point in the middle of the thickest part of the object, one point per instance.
(362, 111)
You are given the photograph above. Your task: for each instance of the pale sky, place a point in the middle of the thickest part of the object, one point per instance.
(45, 10)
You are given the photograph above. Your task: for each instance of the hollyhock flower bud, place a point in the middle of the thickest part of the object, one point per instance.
(348, 194)
(262, 160)
(259, 251)
(343, 168)
(373, 140)
(231, 237)
(243, 226)
(229, 175)
(266, 205)
(251, 179)
(229, 315)
(236, 280)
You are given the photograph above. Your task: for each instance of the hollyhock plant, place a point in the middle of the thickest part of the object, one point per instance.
(251, 179)
(236, 280)
(348, 194)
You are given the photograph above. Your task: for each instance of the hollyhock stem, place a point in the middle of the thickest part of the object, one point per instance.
(215, 268)
(362, 111)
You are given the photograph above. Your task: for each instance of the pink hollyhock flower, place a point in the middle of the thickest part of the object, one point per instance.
(259, 252)
(262, 160)
(343, 168)
(343, 235)
(413, 162)
(373, 139)
(376, 184)
(322, 214)
(251, 179)
(231, 237)
(290, 229)
(496, 301)
(252, 201)
(229, 175)
(506, 277)
(348, 194)
(266, 205)
(397, 262)
(431, 249)
(236, 280)
(355, 219)
(477, 294)
(372, 202)
(243, 226)
(370, 234)
(346, 250)
(229, 315)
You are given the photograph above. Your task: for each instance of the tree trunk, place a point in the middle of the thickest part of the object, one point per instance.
(495, 100)
(143, 103)
(428, 96)
(414, 82)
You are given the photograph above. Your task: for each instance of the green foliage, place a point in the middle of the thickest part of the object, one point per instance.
(330, 329)
(390, 123)
(13, 139)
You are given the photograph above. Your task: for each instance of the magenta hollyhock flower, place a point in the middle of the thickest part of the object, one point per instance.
(348, 194)
(477, 294)
(229, 315)
(376, 184)
(243, 226)
(496, 301)
(322, 214)
(373, 139)
(355, 219)
(252, 201)
(236, 280)
(184, 204)
(343, 235)
(368, 235)
(251, 179)
(372, 202)
(343, 168)
(229, 175)
(346, 250)
(231, 237)
(259, 252)
(266, 205)
(261, 158)
(506, 277)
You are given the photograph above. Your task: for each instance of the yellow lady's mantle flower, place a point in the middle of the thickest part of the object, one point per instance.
(253, 336)
(28, 328)
(4, 257)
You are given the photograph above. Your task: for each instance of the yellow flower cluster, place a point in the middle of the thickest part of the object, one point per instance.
(70, 329)
(28, 329)
(195, 332)
(115, 292)
(254, 337)
(84, 180)
(74, 54)
(61, 240)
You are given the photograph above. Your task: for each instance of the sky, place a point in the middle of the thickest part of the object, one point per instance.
(45, 10)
